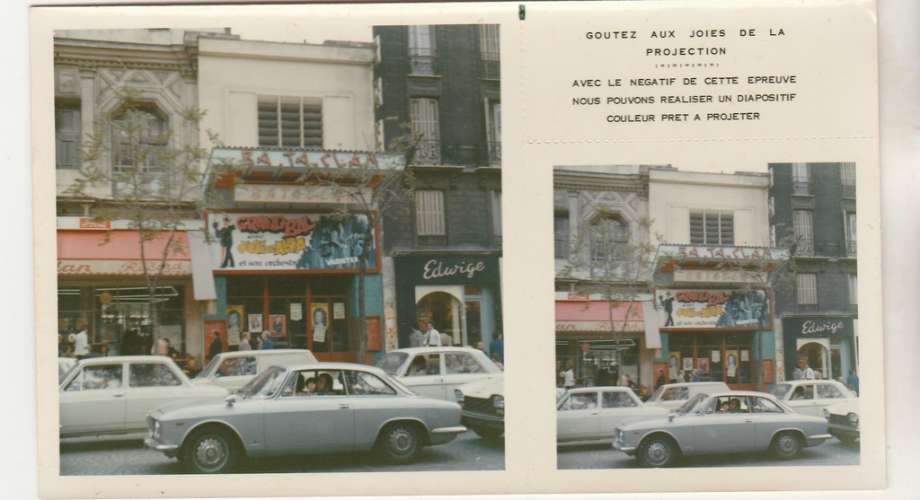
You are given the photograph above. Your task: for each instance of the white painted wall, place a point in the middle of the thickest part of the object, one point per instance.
(674, 194)
(232, 74)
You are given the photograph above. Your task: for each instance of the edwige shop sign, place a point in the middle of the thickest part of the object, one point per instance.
(449, 269)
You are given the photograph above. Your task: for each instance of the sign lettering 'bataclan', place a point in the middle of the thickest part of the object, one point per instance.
(256, 158)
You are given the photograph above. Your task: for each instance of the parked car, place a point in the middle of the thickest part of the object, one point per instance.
(592, 414)
(232, 370)
(673, 396)
(725, 422)
(435, 372)
(300, 410)
(843, 420)
(64, 367)
(811, 397)
(483, 405)
(113, 395)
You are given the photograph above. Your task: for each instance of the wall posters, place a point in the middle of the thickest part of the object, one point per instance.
(290, 241)
(235, 315)
(713, 308)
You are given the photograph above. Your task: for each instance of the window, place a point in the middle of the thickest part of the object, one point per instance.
(807, 289)
(423, 113)
(561, 234)
(151, 375)
(732, 404)
(617, 400)
(609, 245)
(366, 384)
(494, 130)
(423, 365)
(496, 198)
(851, 233)
(801, 182)
(67, 129)
(803, 229)
(763, 405)
(290, 122)
(854, 289)
(828, 391)
(489, 50)
(429, 213)
(803, 392)
(461, 362)
(422, 50)
(712, 228)
(848, 179)
(675, 394)
(98, 377)
(237, 367)
(139, 135)
(580, 401)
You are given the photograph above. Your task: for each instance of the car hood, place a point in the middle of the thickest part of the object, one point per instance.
(209, 407)
(655, 422)
(485, 388)
(844, 407)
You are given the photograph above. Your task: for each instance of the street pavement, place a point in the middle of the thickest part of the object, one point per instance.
(832, 452)
(116, 457)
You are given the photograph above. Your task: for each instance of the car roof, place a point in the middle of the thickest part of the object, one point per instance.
(427, 349)
(330, 365)
(266, 352)
(811, 381)
(596, 388)
(125, 359)
(742, 393)
(694, 384)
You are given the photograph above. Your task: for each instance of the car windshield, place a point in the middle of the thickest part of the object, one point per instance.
(264, 384)
(391, 362)
(209, 368)
(657, 394)
(691, 404)
(399, 385)
(780, 390)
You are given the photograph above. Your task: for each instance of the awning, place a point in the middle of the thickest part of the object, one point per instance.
(593, 316)
(117, 253)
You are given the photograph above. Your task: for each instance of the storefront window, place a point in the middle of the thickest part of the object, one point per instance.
(443, 310)
(716, 357)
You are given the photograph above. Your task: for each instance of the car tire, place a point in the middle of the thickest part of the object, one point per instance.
(399, 443)
(786, 445)
(210, 451)
(488, 433)
(657, 451)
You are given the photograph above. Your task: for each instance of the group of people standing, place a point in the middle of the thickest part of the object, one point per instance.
(428, 336)
(247, 343)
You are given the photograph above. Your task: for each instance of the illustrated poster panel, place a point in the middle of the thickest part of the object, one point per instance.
(319, 315)
(713, 308)
(235, 315)
(290, 241)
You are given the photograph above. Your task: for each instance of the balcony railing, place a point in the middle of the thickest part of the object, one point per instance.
(801, 187)
(805, 248)
(423, 64)
(495, 153)
(851, 248)
(428, 152)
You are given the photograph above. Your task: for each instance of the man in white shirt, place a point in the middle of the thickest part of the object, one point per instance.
(568, 377)
(81, 342)
(430, 336)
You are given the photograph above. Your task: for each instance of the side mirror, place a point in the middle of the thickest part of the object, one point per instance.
(230, 400)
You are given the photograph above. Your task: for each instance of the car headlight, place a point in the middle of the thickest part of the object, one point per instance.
(458, 395)
(827, 414)
(498, 402)
(854, 419)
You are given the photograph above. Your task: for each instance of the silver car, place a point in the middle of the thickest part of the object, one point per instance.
(728, 422)
(304, 409)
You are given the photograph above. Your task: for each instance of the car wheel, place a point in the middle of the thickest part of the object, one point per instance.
(210, 451)
(657, 452)
(399, 443)
(787, 445)
(487, 433)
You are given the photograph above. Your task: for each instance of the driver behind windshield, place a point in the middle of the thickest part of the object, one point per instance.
(324, 385)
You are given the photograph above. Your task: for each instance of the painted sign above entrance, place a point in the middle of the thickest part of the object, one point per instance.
(274, 158)
(309, 242)
(450, 269)
(818, 327)
(282, 193)
(713, 309)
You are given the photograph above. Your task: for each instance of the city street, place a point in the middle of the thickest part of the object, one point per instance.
(467, 452)
(832, 452)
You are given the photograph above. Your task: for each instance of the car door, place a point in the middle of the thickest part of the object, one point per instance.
(722, 427)
(299, 421)
(424, 376)
(234, 372)
(578, 417)
(768, 418)
(802, 399)
(619, 408)
(461, 368)
(94, 400)
(151, 384)
(826, 394)
(374, 402)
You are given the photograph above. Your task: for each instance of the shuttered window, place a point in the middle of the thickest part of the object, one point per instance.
(807, 289)
(493, 110)
(712, 228)
(803, 229)
(423, 112)
(848, 174)
(422, 50)
(67, 128)
(290, 122)
(561, 234)
(854, 290)
(496, 197)
(801, 181)
(488, 42)
(429, 213)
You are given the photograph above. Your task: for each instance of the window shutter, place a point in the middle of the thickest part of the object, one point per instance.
(803, 231)
(697, 233)
(425, 122)
(268, 123)
(429, 209)
(290, 124)
(807, 289)
(312, 125)
(727, 229)
(67, 137)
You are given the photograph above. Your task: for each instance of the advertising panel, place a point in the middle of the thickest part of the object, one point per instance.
(713, 309)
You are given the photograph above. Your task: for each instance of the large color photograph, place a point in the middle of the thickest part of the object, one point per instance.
(261, 241)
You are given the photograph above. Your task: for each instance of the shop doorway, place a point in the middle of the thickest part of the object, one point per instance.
(817, 354)
(446, 315)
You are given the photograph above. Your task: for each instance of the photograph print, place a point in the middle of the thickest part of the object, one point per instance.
(251, 230)
(706, 319)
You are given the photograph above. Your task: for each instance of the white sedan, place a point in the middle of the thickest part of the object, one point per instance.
(234, 369)
(434, 372)
(113, 395)
(812, 397)
(592, 414)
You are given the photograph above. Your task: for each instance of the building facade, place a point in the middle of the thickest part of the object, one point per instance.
(814, 208)
(438, 90)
